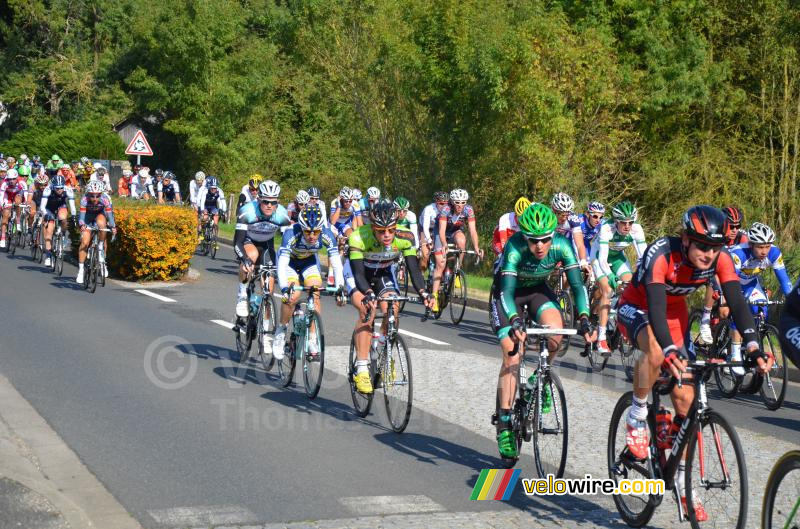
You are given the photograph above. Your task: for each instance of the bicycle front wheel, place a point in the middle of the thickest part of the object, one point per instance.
(773, 389)
(58, 258)
(550, 428)
(287, 364)
(781, 507)
(265, 326)
(716, 474)
(314, 364)
(361, 402)
(12, 240)
(35, 243)
(213, 243)
(458, 298)
(635, 509)
(397, 386)
(244, 339)
(91, 272)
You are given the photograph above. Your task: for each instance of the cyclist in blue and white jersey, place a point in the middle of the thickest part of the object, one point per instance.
(588, 229)
(258, 222)
(569, 225)
(211, 201)
(751, 259)
(168, 190)
(54, 206)
(298, 264)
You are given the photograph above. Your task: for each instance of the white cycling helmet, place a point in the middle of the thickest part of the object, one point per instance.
(459, 195)
(357, 194)
(760, 234)
(199, 176)
(596, 207)
(562, 202)
(12, 174)
(95, 186)
(374, 192)
(302, 197)
(346, 193)
(97, 165)
(269, 189)
(42, 179)
(23, 157)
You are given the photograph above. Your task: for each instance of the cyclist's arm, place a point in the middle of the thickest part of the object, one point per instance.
(776, 257)
(109, 212)
(426, 225)
(71, 199)
(638, 240)
(657, 314)
(441, 229)
(359, 274)
(577, 236)
(473, 233)
(221, 204)
(414, 227)
(602, 257)
(82, 217)
(239, 236)
(45, 196)
(334, 214)
(334, 259)
(200, 199)
(284, 258)
(575, 279)
(412, 265)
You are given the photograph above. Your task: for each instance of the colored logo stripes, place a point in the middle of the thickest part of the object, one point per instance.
(494, 484)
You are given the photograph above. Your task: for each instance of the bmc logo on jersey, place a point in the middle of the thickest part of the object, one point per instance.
(794, 336)
(627, 312)
(680, 291)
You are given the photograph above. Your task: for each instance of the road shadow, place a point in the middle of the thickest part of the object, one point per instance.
(231, 369)
(793, 425)
(234, 271)
(434, 449)
(36, 268)
(67, 282)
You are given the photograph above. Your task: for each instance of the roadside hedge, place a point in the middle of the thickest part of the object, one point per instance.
(153, 242)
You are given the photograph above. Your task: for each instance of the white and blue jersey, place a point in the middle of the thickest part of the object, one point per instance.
(297, 258)
(346, 215)
(254, 227)
(589, 232)
(573, 222)
(750, 268)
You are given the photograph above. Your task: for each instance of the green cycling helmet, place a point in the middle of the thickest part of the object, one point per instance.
(24, 170)
(538, 220)
(401, 203)
(56, 157)
(625, 210)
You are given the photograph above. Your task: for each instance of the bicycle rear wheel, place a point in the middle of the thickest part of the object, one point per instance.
(550, 430)
(313, 366)
(287, 364)
(727, 381)
(35, 243)
(58, 257)
(361, 402)
(565, 305)
(244, 339)
(635, 509)
(12, 240)
(781, 506)
(773, 389)
(397, 387)
(213, 243)
(716, 474)
(91, 272)
(265, 325)
(458, 297)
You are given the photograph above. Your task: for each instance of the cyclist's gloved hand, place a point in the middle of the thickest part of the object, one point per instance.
(285, 294)
(674, 361)
(584, 326)
(340, 296)
(756, 358)
(369, 297)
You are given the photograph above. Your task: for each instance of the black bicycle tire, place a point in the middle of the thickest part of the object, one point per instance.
(213, 243)
(34, 245)
(727, 391)
(463, 293)
(313, 386)
(565, 307)
(12, 241)
(91, 279)
(788, 462)
(399, 426)
(362, 408)
(779, 355)
(708, 416)
(556, 382)
(288, 363)
(265, 353)
(58, 258)
(628, 516)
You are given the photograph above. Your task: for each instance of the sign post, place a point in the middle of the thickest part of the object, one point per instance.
(139, 147)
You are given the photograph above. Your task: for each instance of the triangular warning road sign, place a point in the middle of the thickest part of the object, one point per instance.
(139, 145)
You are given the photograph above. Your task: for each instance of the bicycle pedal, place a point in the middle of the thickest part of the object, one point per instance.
(495, 419)
(584, 353)
(607, 355)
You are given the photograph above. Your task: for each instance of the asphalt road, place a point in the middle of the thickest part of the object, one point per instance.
(228, 440)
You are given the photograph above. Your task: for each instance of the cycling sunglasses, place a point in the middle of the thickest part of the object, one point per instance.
(626, 222)
(459, 203)
(312, 232)
(705, 247)
(537, 240)
(382, 231)
(596, 217)
(735, 226)
(270, 202)
(92, 195)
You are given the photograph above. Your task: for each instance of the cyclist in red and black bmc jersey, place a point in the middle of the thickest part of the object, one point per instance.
(653, 314)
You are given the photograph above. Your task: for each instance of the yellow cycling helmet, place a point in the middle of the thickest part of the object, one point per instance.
(255, 180)
(521, 205)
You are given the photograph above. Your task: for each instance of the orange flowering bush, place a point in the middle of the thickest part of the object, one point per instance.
(153, 242)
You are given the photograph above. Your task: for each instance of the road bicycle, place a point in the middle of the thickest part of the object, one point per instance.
(209, 243)
(389, 369)
(452, 287)
(614, 338)
(531, 420)
(17, 235)
(401, 275)
(718, 350)
(58, 247)
(305, 329)
(262, 316)
(781, 506)
(37, 238)
(94, 270)
(715, 474)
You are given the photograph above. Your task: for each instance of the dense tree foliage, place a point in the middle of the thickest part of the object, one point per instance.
(665, 103)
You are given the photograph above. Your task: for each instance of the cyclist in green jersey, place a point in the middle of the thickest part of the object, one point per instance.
(374, 248)
(528, 259)
(406, 219)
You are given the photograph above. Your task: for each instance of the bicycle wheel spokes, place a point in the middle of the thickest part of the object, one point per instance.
(314, 363)
(458, 300)
(287, 363)
(773, 389)
(361, 402)
(265, 331)
(781, 507)
(550, 428)
(716, 475)
(635, 509)
(397, 384)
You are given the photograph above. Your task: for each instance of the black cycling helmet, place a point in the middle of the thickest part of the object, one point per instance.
(706, 224)
(313, 192)
(440, 196)
(383, 214)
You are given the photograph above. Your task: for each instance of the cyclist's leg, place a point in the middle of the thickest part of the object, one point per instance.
(49, 228)
(252, 253)
(460, 241)
(17, 204)
(292, 279)
(550, 315)
(312, 277)
(439, 252)
(363, 331)
(386, 285)
(6, 217)
(31, 213)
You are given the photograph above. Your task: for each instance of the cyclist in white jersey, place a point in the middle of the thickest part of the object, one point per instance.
(428, 224)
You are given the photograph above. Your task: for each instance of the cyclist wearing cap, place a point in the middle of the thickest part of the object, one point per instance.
(451, 230)
(735, 236)
(508, 226)
(168, 190)
(406, 219)
(654, 316)
(428, 224)
(374, 248)
(254, 239)
(13, 190)
(54, 206)
(249, 190)
(609, 262)
(528, 259)
(210, 201)
(751, 259)
(298, 264)
(96, 211)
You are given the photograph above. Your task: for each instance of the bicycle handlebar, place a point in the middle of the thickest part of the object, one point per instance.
(764, 303)
(548, 331)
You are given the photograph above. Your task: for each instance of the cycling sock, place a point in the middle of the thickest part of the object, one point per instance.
(639, 409)
(362, 366)
(705, 319)
(601, 333)
(80, 267)
(242, 291)
(736, 350)
(680, 479)
(503, 419)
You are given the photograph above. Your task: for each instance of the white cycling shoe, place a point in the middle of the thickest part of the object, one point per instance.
(79, 278)
(242, 310)
(278, 342)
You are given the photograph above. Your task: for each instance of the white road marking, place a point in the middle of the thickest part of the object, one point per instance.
(380, 505)
(203, 515)
(226, 324)
(420, 337)
(154, 295)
